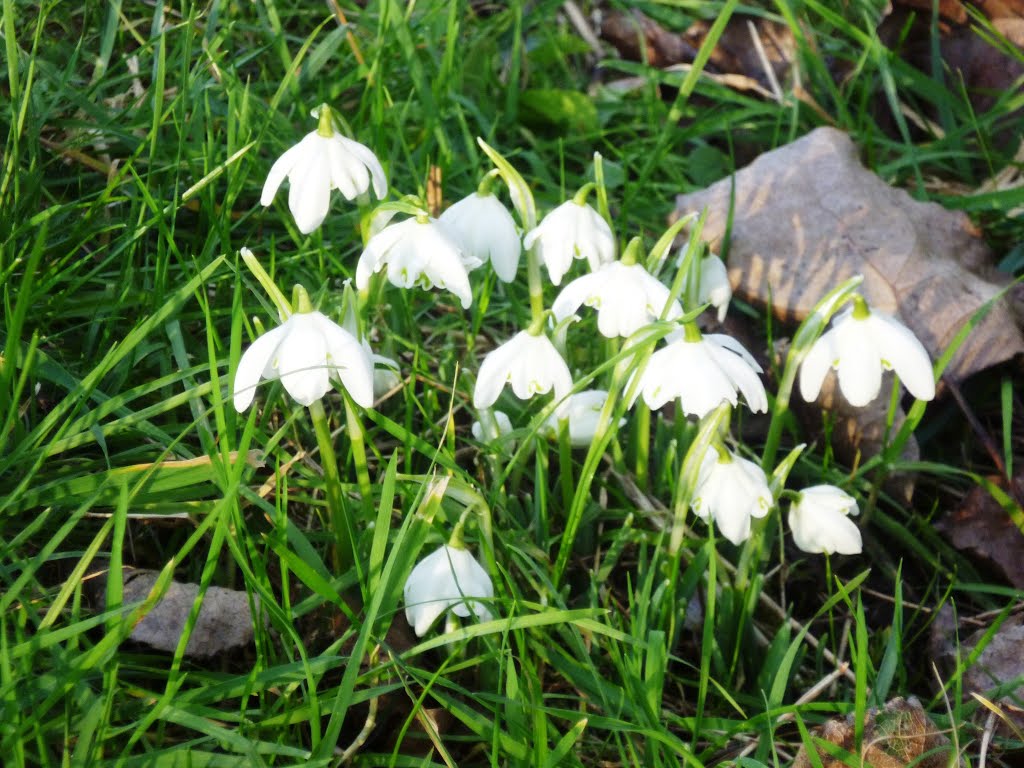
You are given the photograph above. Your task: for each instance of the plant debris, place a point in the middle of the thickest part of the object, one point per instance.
(896, 736)
(808, 215)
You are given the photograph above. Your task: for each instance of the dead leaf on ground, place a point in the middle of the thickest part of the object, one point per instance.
(1000, 661)
(755, 48)
(224, 623)
(898, 735)
(808, 216)
(983, 528)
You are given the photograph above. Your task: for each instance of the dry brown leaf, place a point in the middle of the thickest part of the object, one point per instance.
(999, 662)
(751, 48)
(224, 623)
(808, 216)
(983, 528)
(898, 735)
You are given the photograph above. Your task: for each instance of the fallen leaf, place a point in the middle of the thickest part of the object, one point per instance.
(983, 528)
(999, 662)
(224, 623)
(751, 48)
(898, 735)
(808, 215)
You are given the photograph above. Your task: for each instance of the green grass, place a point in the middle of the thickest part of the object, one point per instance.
(138, 139)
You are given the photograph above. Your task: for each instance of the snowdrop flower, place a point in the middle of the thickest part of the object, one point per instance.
(322, 161)
(532, 365)
(416, 252)
(701, 371)
(583, 412)
(820, 523)
(860, 344)
(446, 578)
(714, 285)
(305, 353)
(572, 230)
(624, 294)
(492, 427)
(732, 490)
(486, 231)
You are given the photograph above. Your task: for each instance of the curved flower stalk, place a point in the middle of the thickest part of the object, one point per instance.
(820, 523)
(582, 411)
(702, 372)
(305, 353)
(448, 578)
(527, 361)
(420, 252)
(732, 490)
(859, 346)
(486, 231)
(322, 161)
(572, 230)
(624, 294)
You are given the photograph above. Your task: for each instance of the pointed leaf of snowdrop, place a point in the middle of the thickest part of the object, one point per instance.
(284, 308)
(656, 258)
(781, 472)
(518, 189)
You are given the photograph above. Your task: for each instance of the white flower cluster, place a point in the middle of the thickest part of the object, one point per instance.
(697, 372)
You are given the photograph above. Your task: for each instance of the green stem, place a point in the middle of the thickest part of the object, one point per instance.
(344, 547)
(536, 283)
(357, 438)
(643, 443)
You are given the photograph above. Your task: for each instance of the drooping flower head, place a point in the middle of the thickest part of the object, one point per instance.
(417, 251)
(449, 577)
(820, 523)
(582, 412)
(714, 287)
(306, 352)
(731, 490)
(322, 161)
(529, 362)
(859, 346)
(572, 230)
(626, 296)
(486, 231)
(702, 371)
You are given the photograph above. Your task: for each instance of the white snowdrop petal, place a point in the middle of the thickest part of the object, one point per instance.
(309, 199)
(860, 365)
(902, 351)
(575, 293)
(302, 362)
(252, 365)
(279, 171)
(816, 364)
(348, 175)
